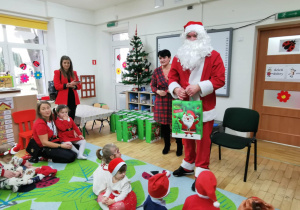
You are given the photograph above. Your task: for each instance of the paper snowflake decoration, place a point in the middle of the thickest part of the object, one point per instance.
(38, 75)
(283, 96)
(24, 78)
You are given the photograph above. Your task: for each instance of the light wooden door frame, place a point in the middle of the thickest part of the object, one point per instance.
(276, 124)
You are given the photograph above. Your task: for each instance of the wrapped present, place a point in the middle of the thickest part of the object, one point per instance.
(153, 131)
(187, 119)
(141, 121)
(119, 129)
(130, 129)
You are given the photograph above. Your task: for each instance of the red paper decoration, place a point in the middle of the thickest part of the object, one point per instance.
(23, 66)
(283, 96)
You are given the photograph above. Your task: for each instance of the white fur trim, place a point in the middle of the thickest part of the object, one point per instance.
(188, 166)
(116, 169)
(196, 28)
(202, 196)
(209, 115)
(206, 88)
(216, 204)
(199, 170)
(172, 87)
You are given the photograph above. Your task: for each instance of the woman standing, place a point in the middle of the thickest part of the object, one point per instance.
(66, 82)
(46, 143)
(163, 100)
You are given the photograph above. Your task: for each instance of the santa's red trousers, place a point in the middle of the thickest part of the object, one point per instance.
(198, 152)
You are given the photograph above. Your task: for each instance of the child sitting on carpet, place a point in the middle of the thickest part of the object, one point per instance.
(68, 131)
(101, 175)
(158, 188)
(15, 171)
(119, 194)
(205, 199)
(255, 203)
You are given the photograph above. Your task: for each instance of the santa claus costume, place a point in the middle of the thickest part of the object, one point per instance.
(158, 188)
(205, 199)
(197, 63)
(121, 191)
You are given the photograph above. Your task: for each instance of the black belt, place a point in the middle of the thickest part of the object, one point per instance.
(53, 138)
(69, 129)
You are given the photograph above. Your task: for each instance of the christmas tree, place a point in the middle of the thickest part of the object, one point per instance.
(137, 70)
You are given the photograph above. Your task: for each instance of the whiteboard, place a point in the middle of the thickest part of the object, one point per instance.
(221, 41)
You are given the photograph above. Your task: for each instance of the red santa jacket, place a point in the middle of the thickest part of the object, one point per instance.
(62, 96)
(66, 130)
(213, 74)
(194, 202)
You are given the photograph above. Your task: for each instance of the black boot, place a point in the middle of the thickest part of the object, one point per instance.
(165, 129)
(193, 186)
(179, 147)
(167, 147)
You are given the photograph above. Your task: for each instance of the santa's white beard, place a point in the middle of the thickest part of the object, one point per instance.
(188, 123)
(191, 53)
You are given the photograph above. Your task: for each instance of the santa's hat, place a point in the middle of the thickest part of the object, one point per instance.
(206, 185)
(193, 26)
(47, 171)
(115, 165)
(158, 185)
(191, 113)
(14, 150)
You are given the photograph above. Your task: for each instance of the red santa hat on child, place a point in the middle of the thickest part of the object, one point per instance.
(206, 185)
(193, 26)
(158, 185)
(115, 165)
(14, 150)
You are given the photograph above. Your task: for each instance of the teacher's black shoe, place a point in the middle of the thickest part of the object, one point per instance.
(33, 160)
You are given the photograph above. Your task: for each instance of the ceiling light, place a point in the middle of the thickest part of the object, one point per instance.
(159, 3)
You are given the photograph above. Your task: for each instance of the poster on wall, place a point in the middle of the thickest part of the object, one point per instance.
(282, 72)
(289, 45)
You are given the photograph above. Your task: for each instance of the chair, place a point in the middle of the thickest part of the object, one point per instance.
(26, 117)
(103, 106)
(242, 120)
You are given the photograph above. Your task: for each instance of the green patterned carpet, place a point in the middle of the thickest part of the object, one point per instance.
(72, 187)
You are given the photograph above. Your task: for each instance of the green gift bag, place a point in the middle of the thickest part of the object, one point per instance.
(119, 129)
(113, 123)
(130, 130)
(153, 131)
(187, 119)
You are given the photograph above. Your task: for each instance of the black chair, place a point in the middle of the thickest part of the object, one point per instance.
(242, 120)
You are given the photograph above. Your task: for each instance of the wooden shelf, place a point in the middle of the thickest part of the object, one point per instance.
(140, 95)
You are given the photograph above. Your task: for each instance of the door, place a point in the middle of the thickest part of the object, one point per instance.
(277, 84)
(119, 65)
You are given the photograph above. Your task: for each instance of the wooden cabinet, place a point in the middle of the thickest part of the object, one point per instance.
(140, 100)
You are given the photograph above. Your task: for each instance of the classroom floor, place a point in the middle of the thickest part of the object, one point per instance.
(277, 179)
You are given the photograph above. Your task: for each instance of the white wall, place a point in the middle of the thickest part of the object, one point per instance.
(214, 15)
(70, 32)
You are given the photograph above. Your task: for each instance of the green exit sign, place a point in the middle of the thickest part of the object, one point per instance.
(289, 14)
(112, 24)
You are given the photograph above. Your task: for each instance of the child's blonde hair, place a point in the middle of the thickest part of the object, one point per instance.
(106, 151)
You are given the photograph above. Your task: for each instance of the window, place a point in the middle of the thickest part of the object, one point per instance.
(22, 53)
(120, 37)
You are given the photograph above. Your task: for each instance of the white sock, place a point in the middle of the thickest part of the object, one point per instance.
(81, 149)
(74, 149)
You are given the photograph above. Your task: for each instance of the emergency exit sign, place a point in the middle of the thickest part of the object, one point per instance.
(289, 14)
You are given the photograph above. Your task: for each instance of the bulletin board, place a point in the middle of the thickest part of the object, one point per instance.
(221, 41)
(88, 88)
